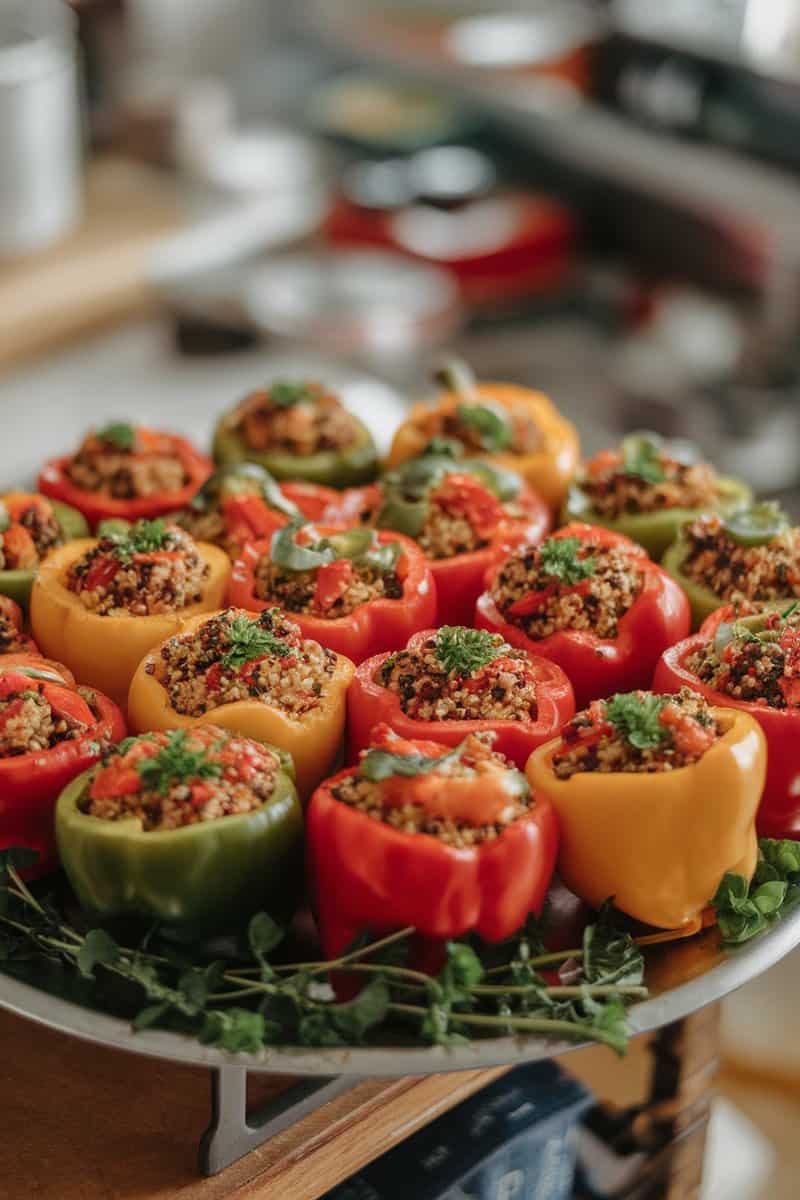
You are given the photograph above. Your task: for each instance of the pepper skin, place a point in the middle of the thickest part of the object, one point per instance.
(779, 810)
(313, 499)
(370, 704)
(331, 468)
(599, 667)
(104, 651)
(371, 628)
(313, 740)
(366, 874)
(205, 876)
(547, 470)
(30, 783)
(11, 613)
(655, 531)
(100, 506)
(659, 843)
(18, 583)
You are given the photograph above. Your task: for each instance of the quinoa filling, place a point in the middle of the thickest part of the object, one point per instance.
(237, 656)
(755, 660)
(735, 572)
(182, 777)
(461, 674)
(462, 517)
(116, 460)
(637, 732)
(28, 530)
(295, 418)
(473, 760)
(30, 723)
(152, 568)
(565, 584)
(643, 478)
(11, 639)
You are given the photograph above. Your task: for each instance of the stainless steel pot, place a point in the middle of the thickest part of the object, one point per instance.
(40, 125)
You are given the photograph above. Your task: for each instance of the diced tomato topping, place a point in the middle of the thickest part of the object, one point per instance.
(533, 601)
(248, 517)
(603, 463)
(690, 737)
(333, 580)
(117, 779)
(101, 572)
(19, 547)
(11, 711)
(464, 496)
(67, 703)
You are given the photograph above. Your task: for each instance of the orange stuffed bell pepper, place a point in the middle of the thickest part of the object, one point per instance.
(656, 798)
(454, 681)
(99, 605)
(254, 675)
(589, 600)
(357, 591)
(12, 638)
(126, 472)
(449, 840)
(514, 426)
(50, 731)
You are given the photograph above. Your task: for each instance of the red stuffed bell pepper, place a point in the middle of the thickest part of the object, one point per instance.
(126, 472)
(404, 839)
(50, 731)
(356, 591)
(452, 682)
(751, 663)
(591, 601)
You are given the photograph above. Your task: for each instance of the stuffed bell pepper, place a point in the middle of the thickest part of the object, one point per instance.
(99, 605)
(515, 427)
(656, 798)
(589, 600)
(451, 682)
(449, 840)
(298, 431)
(13, 640)
(357, 591)
(236, 505)
(253, 674)
(752, 664)
(50, 731)
(460, 512)
(198, 828)
(750, 557)
(128, 472)
(644, 491)
(30, 527)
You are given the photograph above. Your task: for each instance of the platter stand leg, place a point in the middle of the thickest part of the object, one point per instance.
(234, 1131)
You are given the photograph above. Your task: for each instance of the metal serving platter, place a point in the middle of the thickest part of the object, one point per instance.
(132, 374)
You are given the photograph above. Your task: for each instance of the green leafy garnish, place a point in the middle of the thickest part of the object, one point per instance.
(383, 764)
(145, 537)
(359, 545)
(120, 434)
(247, 639)
(560, 558)
(284, 394)
(5, 517)
(636, 716)
(640, 457)
(175, 763)
(490, 424)
(746, 909)
(463, 651)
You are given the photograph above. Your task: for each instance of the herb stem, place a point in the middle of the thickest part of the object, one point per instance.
(543, 1025)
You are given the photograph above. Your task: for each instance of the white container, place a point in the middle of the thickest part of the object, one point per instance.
(40, 125)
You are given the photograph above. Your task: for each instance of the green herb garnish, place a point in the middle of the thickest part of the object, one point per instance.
(248, 640)
(359, 545)
(383, 764)
(636, 716)
(145, 537)
(745, 909)
(560, 558)
(119, 434)
(641, 457)
(175, 763)
(463, 651)
(491, 424)
(284, 394)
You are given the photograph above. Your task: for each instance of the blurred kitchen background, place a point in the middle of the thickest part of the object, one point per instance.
(601, 200)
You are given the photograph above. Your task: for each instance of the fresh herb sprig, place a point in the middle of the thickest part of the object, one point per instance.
(490, 425)
(119, 434)
(637, 716)
(248, 639)
(744, 909)
(249, 1004)
(561, 559)
(285, 394)
(145, 537)
(641, 457)
(463, 651)
(175, 763)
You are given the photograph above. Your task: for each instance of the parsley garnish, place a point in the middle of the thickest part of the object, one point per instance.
(636, 716)
(640, 457)
(286, 395)
(463, 651)
(560, 559)
(248, 640)
(142, 538)
(490, 424)
(175, 763)
(120, 434)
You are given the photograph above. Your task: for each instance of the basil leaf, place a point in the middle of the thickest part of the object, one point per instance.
(489, 422)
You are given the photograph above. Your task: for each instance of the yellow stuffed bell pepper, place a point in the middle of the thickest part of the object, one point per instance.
(514, 426)
(255, 675)
(99, 604)
(657, 839)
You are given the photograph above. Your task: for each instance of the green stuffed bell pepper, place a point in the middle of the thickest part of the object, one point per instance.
(648, 493)
(30, 526)
(196, 828)
(298, 431)
(749, 556)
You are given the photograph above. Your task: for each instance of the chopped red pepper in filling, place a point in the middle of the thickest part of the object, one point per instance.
(735, 572)
(758, 663)
(36, 714)
(127, 462)
(463, 516)
(618, 485)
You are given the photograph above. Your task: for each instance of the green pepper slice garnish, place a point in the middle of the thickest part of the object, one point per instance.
(242, 477)
(757, 525)
(357, 544)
